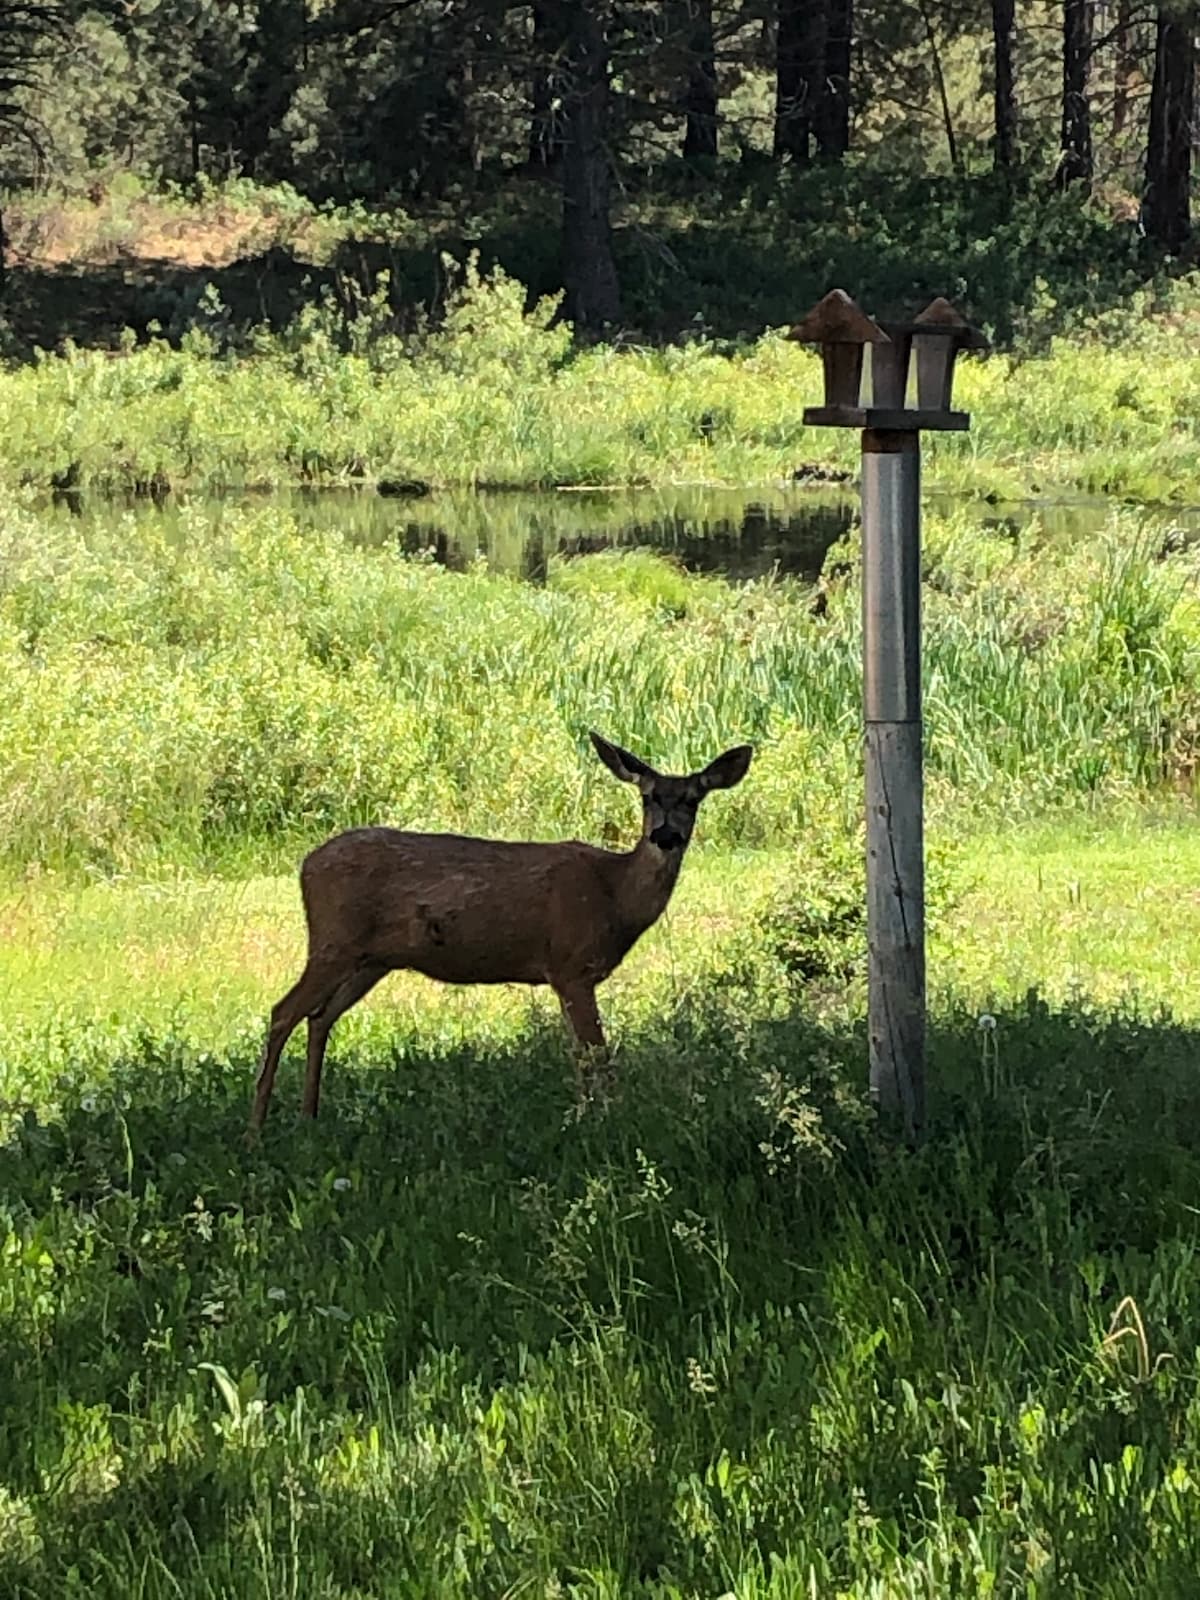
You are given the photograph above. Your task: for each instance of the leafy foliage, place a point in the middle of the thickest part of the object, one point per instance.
(433, 110)
(29, 30)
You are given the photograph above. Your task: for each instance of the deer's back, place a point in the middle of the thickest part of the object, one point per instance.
(466, 910)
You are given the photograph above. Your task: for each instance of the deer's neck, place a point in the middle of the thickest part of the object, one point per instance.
(645, 883)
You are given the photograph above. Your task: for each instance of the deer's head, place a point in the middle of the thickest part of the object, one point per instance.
(669, 804)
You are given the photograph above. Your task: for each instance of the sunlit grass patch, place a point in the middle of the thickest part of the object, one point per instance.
(1110, 912)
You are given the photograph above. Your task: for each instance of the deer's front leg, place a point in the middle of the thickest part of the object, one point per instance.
(578, 1002)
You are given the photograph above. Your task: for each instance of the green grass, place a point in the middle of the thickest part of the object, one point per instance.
(1109, 912)
(204, 958)
(1105, 909)
(496, 397)
(720, 1339)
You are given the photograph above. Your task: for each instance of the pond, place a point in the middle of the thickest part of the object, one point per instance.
(739, 533)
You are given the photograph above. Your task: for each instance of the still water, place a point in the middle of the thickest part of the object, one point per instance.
(739, 533)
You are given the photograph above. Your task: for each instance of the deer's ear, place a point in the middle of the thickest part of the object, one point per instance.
(623, 765)
(727, 769)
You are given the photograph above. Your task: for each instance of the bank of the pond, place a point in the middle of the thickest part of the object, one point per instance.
(499, 398)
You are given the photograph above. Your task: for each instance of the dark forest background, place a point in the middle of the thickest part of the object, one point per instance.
(668, 163)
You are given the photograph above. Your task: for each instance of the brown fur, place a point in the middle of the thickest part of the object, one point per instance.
(465, 910)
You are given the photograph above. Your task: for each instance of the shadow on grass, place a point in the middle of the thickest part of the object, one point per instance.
(429, 1158)
(726, 1257)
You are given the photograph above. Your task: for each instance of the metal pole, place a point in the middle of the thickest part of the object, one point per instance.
(891, 519)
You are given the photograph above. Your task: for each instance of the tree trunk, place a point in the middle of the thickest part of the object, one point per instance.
(1075, 162)
(831, 123)
(939, 78)
(799, 76)
(1004, 154)
(700, 104)
(545, 123)
(1166, 208)
(1125, 67)
(589, 271)
(272, 77)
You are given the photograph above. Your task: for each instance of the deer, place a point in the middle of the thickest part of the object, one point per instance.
(464, 910)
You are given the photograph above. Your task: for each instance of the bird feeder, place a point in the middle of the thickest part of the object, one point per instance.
(937, 335)
(843, 332)
(924, 351)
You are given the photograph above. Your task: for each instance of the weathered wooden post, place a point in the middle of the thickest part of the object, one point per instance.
(891, 588)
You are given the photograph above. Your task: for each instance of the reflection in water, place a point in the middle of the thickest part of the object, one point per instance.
(739, 533)
(741, 541)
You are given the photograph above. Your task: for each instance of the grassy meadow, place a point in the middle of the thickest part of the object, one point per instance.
(719, 1339)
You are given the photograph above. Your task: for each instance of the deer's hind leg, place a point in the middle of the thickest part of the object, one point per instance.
(348, 993)
(316, 985)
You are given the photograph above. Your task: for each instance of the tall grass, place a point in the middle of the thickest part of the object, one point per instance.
(185, 693)
(496, 396)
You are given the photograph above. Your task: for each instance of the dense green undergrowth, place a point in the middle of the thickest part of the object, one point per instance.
(726, 249)
(194, 693)
(496, 395)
